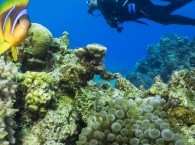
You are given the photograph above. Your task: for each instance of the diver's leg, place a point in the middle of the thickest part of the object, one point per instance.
(178, 19)
(176, 4)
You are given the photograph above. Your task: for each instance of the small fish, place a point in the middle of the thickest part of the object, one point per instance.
(14, 25)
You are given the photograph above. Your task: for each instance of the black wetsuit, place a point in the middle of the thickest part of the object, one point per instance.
(117, 11)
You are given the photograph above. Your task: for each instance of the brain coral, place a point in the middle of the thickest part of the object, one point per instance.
(38, 40)
(130, 122)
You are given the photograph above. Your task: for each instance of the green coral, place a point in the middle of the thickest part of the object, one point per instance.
(92, 99)
(181, 115)
(38, 40)
(188, 131)
(76, 68)
(182, 87)
(60, 44)
(127, 88)
(158, 88)
(38, 90)
(35, 48)
(54, 128)
(72, 76)
(91, 57)
(69, 75)
(180, 93)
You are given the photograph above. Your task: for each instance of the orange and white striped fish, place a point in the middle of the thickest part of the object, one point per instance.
(14, 25)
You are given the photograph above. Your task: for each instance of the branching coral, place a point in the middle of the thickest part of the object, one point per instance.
(6, 123)
(7, 74)
(7, 98)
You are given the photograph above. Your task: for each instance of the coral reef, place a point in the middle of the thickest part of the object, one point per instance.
(180, 95)
(7, 98)
(37, 90)
(127, 89)
(139, 121)
(173, 52)
(92, 99)
(7, 125)
(7, 85)
(192, 53)
(59, 102)
(60, 44)
(38, 41)
(91, 57)
(54, 128)
(177, 114)
(76, 68)
(34, 50)
(182, 87)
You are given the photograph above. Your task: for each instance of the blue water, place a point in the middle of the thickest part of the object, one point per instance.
(124, 49)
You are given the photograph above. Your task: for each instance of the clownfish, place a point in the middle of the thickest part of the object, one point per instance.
(14, 25)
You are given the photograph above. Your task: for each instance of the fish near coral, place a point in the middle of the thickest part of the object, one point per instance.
(14, 25)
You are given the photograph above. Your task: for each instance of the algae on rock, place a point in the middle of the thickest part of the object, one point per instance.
(91, 99)
(56, 126)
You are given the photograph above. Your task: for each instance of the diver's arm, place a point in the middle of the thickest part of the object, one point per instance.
(114, 23)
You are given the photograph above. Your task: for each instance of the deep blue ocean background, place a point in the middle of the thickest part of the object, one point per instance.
(124, 49)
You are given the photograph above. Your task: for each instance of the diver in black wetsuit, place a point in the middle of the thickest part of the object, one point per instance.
(118, 11)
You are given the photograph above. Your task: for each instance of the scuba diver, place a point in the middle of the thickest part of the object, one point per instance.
(118, 11)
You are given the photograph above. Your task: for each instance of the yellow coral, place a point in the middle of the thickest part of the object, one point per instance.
(153, 90)
(38, 85)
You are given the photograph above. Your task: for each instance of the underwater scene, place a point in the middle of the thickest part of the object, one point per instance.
(97, 72)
